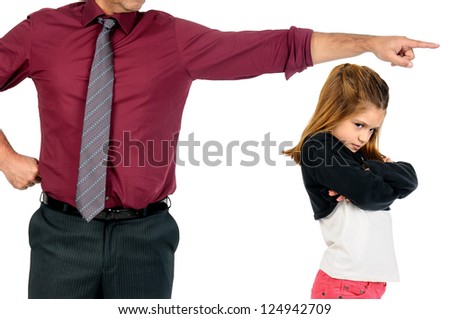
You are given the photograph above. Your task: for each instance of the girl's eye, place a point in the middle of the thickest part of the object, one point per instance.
(359, 125)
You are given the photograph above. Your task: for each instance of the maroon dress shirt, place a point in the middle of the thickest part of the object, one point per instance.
(156, 58)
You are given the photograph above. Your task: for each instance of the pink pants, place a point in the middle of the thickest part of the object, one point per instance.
(326, 287)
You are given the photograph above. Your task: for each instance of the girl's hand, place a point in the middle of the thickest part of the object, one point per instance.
(340, 198)
(387, 160)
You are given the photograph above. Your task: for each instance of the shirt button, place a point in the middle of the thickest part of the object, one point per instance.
(107, 198)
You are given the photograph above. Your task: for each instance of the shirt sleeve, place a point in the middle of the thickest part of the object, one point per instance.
(217, 55)
(15, 55)
(399, 175)
(374, 186)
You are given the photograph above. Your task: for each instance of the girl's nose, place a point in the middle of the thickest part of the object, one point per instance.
(364, 138)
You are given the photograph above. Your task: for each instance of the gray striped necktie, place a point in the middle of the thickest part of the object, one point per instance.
(90, 197)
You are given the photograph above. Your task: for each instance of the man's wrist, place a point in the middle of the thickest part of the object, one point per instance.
(6, 151)
(368, 43)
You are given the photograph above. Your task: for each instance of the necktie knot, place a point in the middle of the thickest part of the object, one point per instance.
(108, 23)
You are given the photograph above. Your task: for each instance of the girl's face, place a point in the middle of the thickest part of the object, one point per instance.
(355, 131)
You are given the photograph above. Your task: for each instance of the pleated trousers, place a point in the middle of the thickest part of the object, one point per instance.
(118, 259)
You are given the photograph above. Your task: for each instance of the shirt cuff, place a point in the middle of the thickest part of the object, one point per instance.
(299, 44)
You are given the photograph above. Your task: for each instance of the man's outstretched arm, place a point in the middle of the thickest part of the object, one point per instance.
(395, 49)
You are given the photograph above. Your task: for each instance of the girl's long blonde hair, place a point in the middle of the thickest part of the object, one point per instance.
(346, 86)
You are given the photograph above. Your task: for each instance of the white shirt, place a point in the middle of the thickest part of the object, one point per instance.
(360, 245)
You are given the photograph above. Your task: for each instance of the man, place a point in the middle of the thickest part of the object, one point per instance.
(124, 247)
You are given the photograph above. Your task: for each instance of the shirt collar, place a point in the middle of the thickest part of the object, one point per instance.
(91, 11)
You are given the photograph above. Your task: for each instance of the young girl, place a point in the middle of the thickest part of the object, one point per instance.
(351, 184)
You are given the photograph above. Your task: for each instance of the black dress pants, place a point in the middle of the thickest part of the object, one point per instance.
(73, 259)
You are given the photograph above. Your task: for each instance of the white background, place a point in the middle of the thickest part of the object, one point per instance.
(247, 233)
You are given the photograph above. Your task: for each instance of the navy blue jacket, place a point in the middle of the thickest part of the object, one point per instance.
(327, 164)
